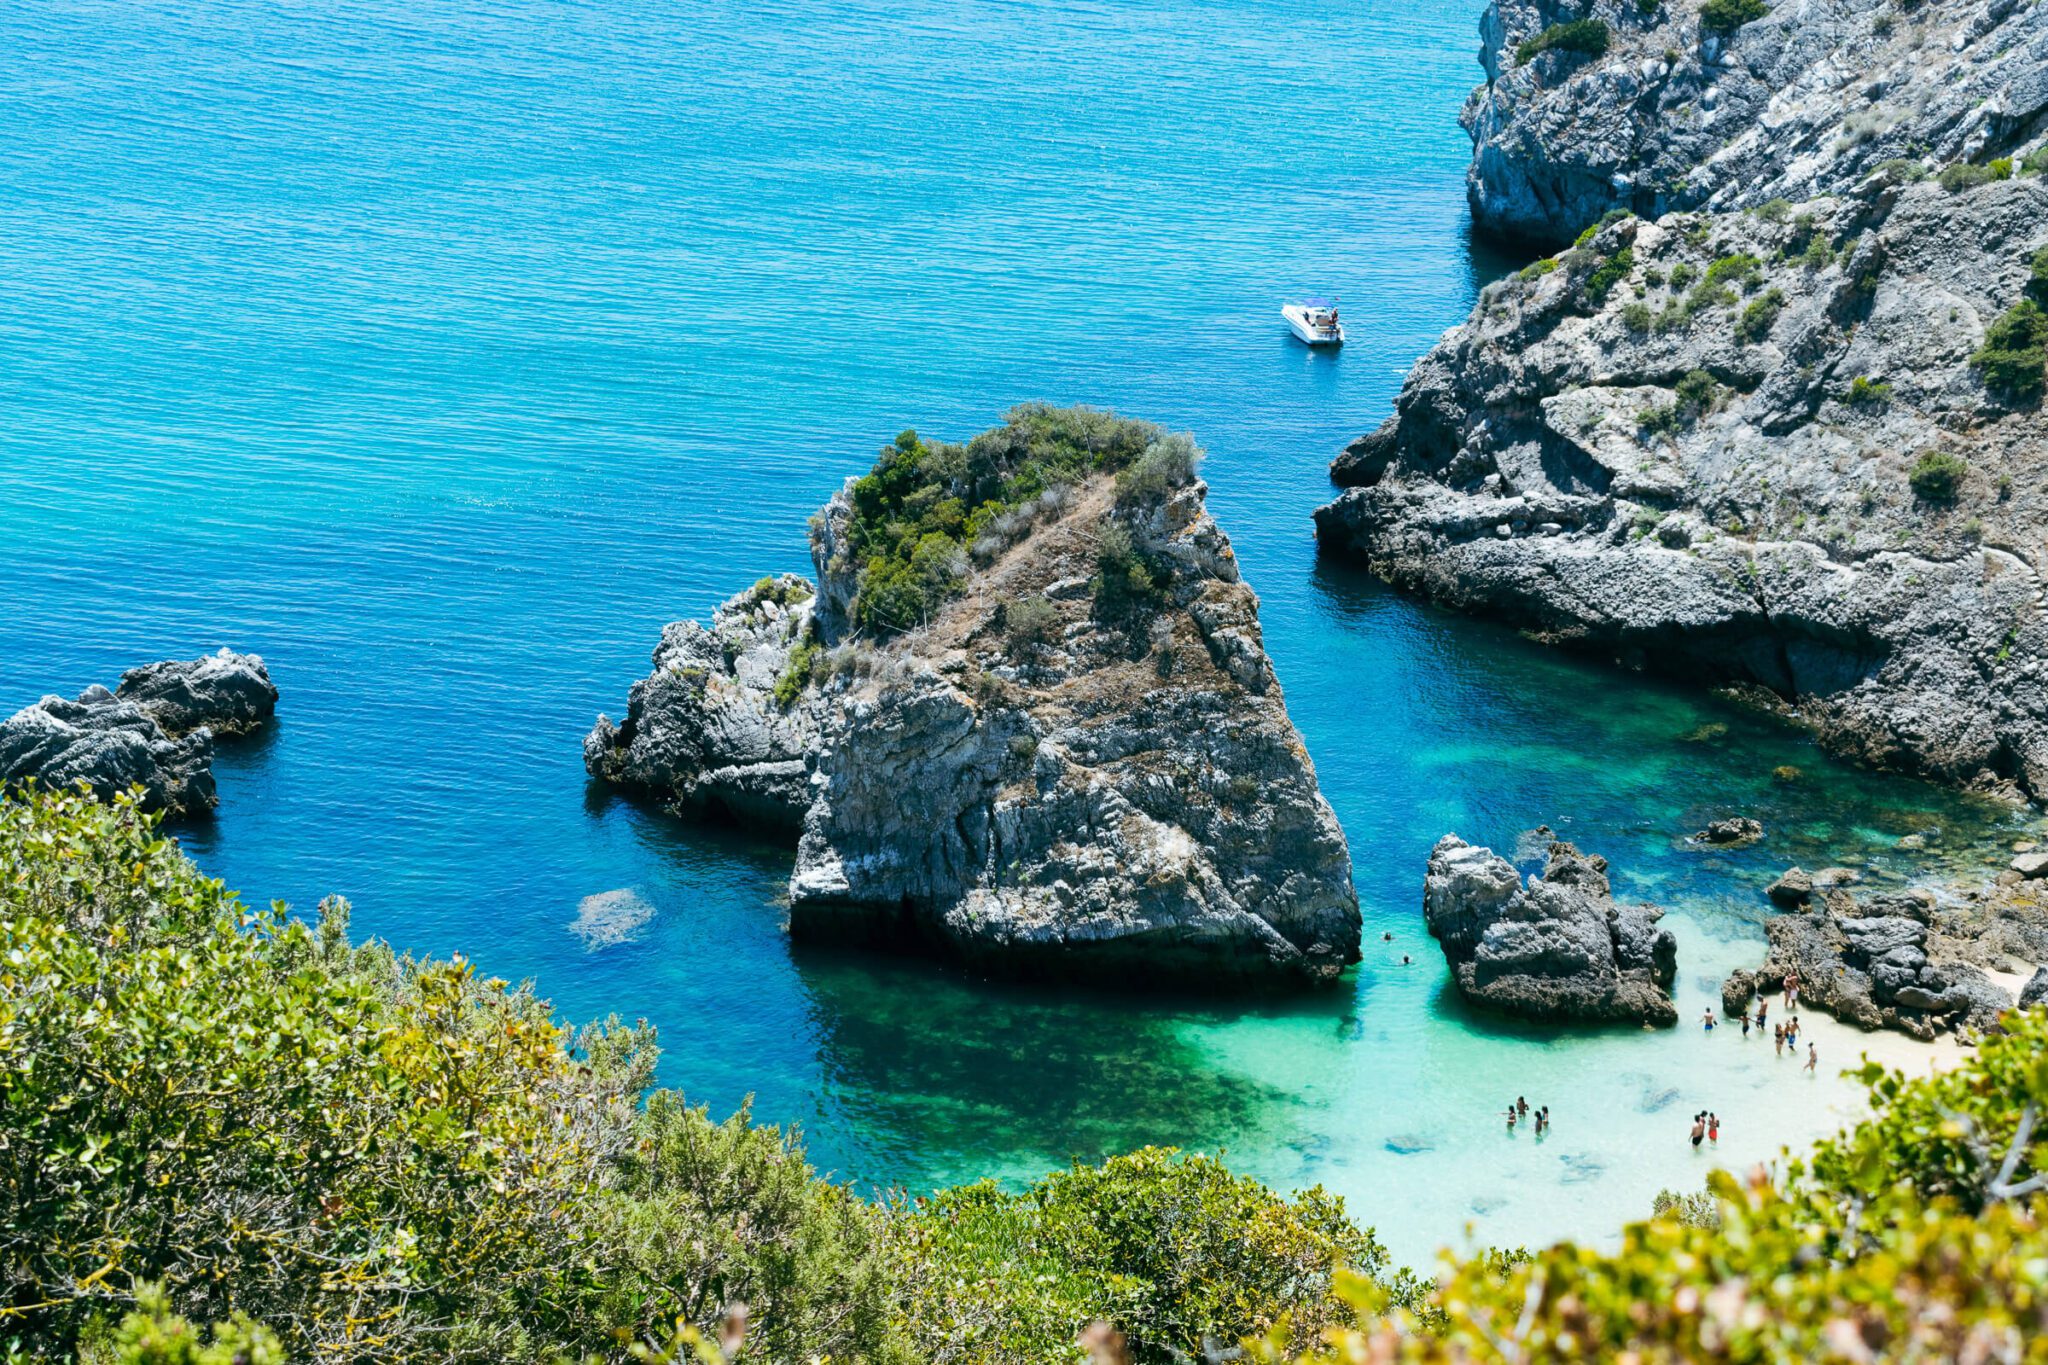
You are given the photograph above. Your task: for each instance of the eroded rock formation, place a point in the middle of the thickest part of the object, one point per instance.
(1678, 112)
(1556, 948)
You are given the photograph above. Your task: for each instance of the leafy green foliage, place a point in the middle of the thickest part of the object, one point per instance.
(796, 674)
(1756, 320)
(154, 1335)
(1723, 17)
(1700, 1209)
(380, 1159)
(1536, 270)
(925, 505)
(2036, 162)
(1740, 269)
(2037, 276)
(1967, 175)
(1867, 392)
(1126, 578)
(1173, 1249)
(1588, 37)
(1917, 1235)
(1167, 464)
(1937, 475)
(2014, 356)
(1609, 273)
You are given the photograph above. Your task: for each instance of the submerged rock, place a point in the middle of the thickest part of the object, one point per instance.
(111, 746)
(1077, 763)
(1733, 832)
(228, 693)
(1557, 948)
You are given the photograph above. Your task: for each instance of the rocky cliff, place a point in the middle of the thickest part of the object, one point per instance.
(1800, 447)
(1558, 948)
(1024, 717)
(1661, 105)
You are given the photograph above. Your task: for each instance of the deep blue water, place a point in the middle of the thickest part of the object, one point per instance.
(441, 352)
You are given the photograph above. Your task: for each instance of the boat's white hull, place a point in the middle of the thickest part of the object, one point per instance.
(1298, 322)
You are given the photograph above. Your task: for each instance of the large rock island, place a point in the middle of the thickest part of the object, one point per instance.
(1559, 948)
(1023, 717)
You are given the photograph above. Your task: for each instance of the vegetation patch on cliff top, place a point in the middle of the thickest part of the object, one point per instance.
(928, 509)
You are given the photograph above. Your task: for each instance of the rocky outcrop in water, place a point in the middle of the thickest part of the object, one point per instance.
(1661, 107)
(1881, 964)
(1760, 449)
(228, 693)
(111, 746)
(1076, 761)
(1556, 948)
(155, 733)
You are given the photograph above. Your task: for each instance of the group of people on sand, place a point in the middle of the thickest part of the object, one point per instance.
(1707, 1125)
(1519, 1110)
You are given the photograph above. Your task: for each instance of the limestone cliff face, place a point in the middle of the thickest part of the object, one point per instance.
(1801, 102)
(1045, 777)
(1693, 443)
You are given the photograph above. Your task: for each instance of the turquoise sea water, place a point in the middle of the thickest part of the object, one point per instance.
(442, 351)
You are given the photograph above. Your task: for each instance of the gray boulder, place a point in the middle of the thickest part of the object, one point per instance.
(1558, 948)
(1737, 991)
(1881, 971)
(228, 693)
(2035, 992)
(1792, 890)
(111, 746)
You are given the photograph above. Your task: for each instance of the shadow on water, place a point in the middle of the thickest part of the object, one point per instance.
(953, 1077)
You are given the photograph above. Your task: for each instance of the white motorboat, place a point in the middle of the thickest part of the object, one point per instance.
(1314, 321)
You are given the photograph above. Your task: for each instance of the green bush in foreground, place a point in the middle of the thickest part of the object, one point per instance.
(1589, 37)
(209, 1114)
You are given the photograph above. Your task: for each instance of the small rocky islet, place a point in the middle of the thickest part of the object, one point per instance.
(1023, 717)
(154, 732)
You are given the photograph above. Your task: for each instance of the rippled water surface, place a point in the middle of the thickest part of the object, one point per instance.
(441, 352)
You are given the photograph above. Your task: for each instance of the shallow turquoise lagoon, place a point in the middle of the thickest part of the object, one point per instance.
(442, 351)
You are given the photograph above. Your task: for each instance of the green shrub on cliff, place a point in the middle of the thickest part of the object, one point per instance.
(2037, 276)
(1588, 37)
(1723, 17)
(1756, 320)
(925, 506)
(1937, 476)
(2014, 356)
(1967, 175)
(1607, 274)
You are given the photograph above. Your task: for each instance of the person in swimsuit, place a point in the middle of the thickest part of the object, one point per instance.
(1745, 1023)
(1707, 1020)
(1714, 1129)
(1778, 1037)
(1699, 1132)
(1763, 1009)
(1812, 1056)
